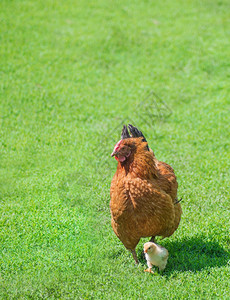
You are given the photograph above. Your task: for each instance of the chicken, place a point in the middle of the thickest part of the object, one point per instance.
(143, 193)
(155, 255)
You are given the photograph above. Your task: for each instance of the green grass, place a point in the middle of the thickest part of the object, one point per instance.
(71, 72)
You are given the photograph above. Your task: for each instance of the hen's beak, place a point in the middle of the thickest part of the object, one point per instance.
(114, 153)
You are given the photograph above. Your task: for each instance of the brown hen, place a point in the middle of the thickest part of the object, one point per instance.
(143, 192)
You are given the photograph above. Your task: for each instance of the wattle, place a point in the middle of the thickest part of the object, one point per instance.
(120, 158)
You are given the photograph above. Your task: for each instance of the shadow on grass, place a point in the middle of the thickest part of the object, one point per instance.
(193, 254)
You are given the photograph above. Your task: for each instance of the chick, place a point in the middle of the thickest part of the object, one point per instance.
(155, 255)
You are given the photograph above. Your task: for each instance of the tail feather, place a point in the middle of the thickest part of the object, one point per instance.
(177, 201)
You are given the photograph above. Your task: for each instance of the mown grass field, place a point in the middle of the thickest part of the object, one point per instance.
(72, 72)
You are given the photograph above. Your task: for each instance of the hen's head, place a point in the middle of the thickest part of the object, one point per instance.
(128, 144)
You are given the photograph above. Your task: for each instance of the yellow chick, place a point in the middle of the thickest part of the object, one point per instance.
(155, 255)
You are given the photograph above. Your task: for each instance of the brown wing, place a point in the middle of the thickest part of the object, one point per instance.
(167, 181)
(167, 178)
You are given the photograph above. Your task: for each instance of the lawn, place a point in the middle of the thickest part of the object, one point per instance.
(72, 72)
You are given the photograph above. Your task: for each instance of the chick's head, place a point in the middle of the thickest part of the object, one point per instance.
(149, 247)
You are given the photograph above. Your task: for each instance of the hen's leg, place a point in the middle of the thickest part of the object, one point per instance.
(135, 256)
(152, 239)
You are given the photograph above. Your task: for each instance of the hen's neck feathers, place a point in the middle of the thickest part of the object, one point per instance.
(141, 163)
